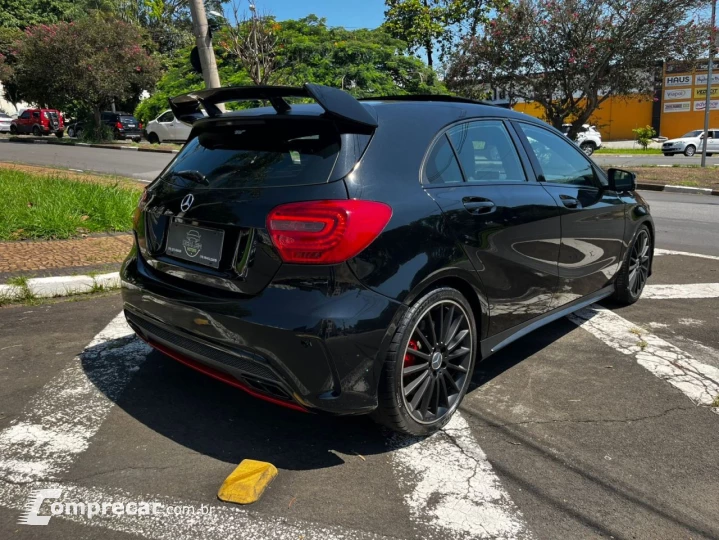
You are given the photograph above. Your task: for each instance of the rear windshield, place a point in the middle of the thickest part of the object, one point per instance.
(260, 154)
(128, 120)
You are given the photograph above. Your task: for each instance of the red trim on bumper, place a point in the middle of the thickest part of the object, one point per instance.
(224, 377)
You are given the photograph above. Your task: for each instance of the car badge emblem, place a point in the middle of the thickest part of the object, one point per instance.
(187, 202)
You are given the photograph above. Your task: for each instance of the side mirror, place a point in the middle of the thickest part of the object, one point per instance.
(620, 180)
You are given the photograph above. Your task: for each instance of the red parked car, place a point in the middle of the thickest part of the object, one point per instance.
(38, 122)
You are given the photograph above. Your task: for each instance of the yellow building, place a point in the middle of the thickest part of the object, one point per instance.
(676, 108)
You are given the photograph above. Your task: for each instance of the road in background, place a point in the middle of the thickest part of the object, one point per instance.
(685, 222)
(144, 166)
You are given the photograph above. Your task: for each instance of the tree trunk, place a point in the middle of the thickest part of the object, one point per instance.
(428, 49)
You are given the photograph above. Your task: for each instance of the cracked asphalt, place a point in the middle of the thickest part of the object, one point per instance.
(567, 436)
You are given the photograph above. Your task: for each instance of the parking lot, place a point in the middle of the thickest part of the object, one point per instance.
(598, 425)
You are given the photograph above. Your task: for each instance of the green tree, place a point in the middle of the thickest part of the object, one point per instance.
(436, 25)
(91, 62)
(570, 56)
(25, 13)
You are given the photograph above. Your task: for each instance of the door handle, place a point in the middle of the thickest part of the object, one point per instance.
(569, 201)
(478, 205)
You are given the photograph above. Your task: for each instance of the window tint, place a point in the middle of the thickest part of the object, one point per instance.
(269, 154)
(25, 115)
(442, 167)
(167, 117)
(36, 114)
(486, 152)
(561, 162)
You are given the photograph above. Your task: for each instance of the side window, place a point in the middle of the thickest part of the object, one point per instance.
(167, 117)
(25, 115)
(442, 167)
(36, 114)
(561, 162)
(486, 152)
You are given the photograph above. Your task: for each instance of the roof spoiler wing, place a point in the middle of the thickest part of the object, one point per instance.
(338, 104)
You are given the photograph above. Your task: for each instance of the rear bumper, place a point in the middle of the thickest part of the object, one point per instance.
(124, 134)
(293, 345)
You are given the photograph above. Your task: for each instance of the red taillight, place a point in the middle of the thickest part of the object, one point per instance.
(139, 208)
(325, 232)
(140, 125)
(118, 125)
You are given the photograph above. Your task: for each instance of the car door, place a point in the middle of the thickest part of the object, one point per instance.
(592, 217)
(505, 221)
(165, 126)
(23, 122)
(713, 142)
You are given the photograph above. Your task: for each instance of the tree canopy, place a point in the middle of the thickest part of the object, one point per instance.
(363, 62)
(430, 25)
(91, 62)
(570, 56)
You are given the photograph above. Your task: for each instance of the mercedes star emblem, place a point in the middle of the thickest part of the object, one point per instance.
(187, 202)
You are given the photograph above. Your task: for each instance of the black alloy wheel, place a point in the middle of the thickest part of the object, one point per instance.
(639, 263)
(635, 271)
(430, 364)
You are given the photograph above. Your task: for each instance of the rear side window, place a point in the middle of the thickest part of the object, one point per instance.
(442, 167)
(486, 152)
(257, 154)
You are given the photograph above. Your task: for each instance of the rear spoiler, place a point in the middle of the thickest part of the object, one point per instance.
(336, 103)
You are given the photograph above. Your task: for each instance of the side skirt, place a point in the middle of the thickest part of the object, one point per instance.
(492, 344)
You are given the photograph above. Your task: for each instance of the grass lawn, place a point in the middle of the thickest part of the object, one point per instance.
(55, 206)
(679, 176)
(632, 151)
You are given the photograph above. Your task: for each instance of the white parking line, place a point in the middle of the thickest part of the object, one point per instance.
(698, 381)
(451, 488)
(675, 292)
(685, 253)
(59, 421)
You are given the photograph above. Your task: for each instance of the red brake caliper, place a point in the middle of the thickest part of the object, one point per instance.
(409, 360)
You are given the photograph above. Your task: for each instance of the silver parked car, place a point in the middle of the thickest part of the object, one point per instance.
(5, 122)
(691, 143)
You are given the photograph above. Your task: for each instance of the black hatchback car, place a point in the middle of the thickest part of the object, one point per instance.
(360, 257)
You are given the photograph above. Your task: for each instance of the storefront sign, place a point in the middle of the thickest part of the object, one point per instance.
(702, 92)
(679, 93)
(702, 105)
(702, 79)
(678, 106)
(679, 80)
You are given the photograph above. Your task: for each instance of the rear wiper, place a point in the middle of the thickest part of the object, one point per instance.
(193, 176)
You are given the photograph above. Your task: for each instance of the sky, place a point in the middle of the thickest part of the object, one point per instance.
(347, 13)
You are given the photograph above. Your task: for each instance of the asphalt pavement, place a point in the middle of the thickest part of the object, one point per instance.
(144, 166)
(596, 426)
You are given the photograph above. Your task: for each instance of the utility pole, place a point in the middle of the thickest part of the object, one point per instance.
(204, 44)
(707, 108)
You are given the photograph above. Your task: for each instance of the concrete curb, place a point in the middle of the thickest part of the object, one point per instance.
(53, 287)
(678, 189)
(89, 145)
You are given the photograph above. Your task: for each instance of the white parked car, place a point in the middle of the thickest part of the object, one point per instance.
(588, 139)
(691, 143)
(167, 128)
(5, 122)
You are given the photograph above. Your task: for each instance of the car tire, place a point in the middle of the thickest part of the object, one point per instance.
(13, 130)
(634, 272)
(419, 392)
(588, 148)
(690, 150)
(36, 131)
(136, 139)
(153, 138)
(70, 132)
(59, 134)
(668, 154)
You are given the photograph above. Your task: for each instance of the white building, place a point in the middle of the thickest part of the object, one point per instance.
(7, 106)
